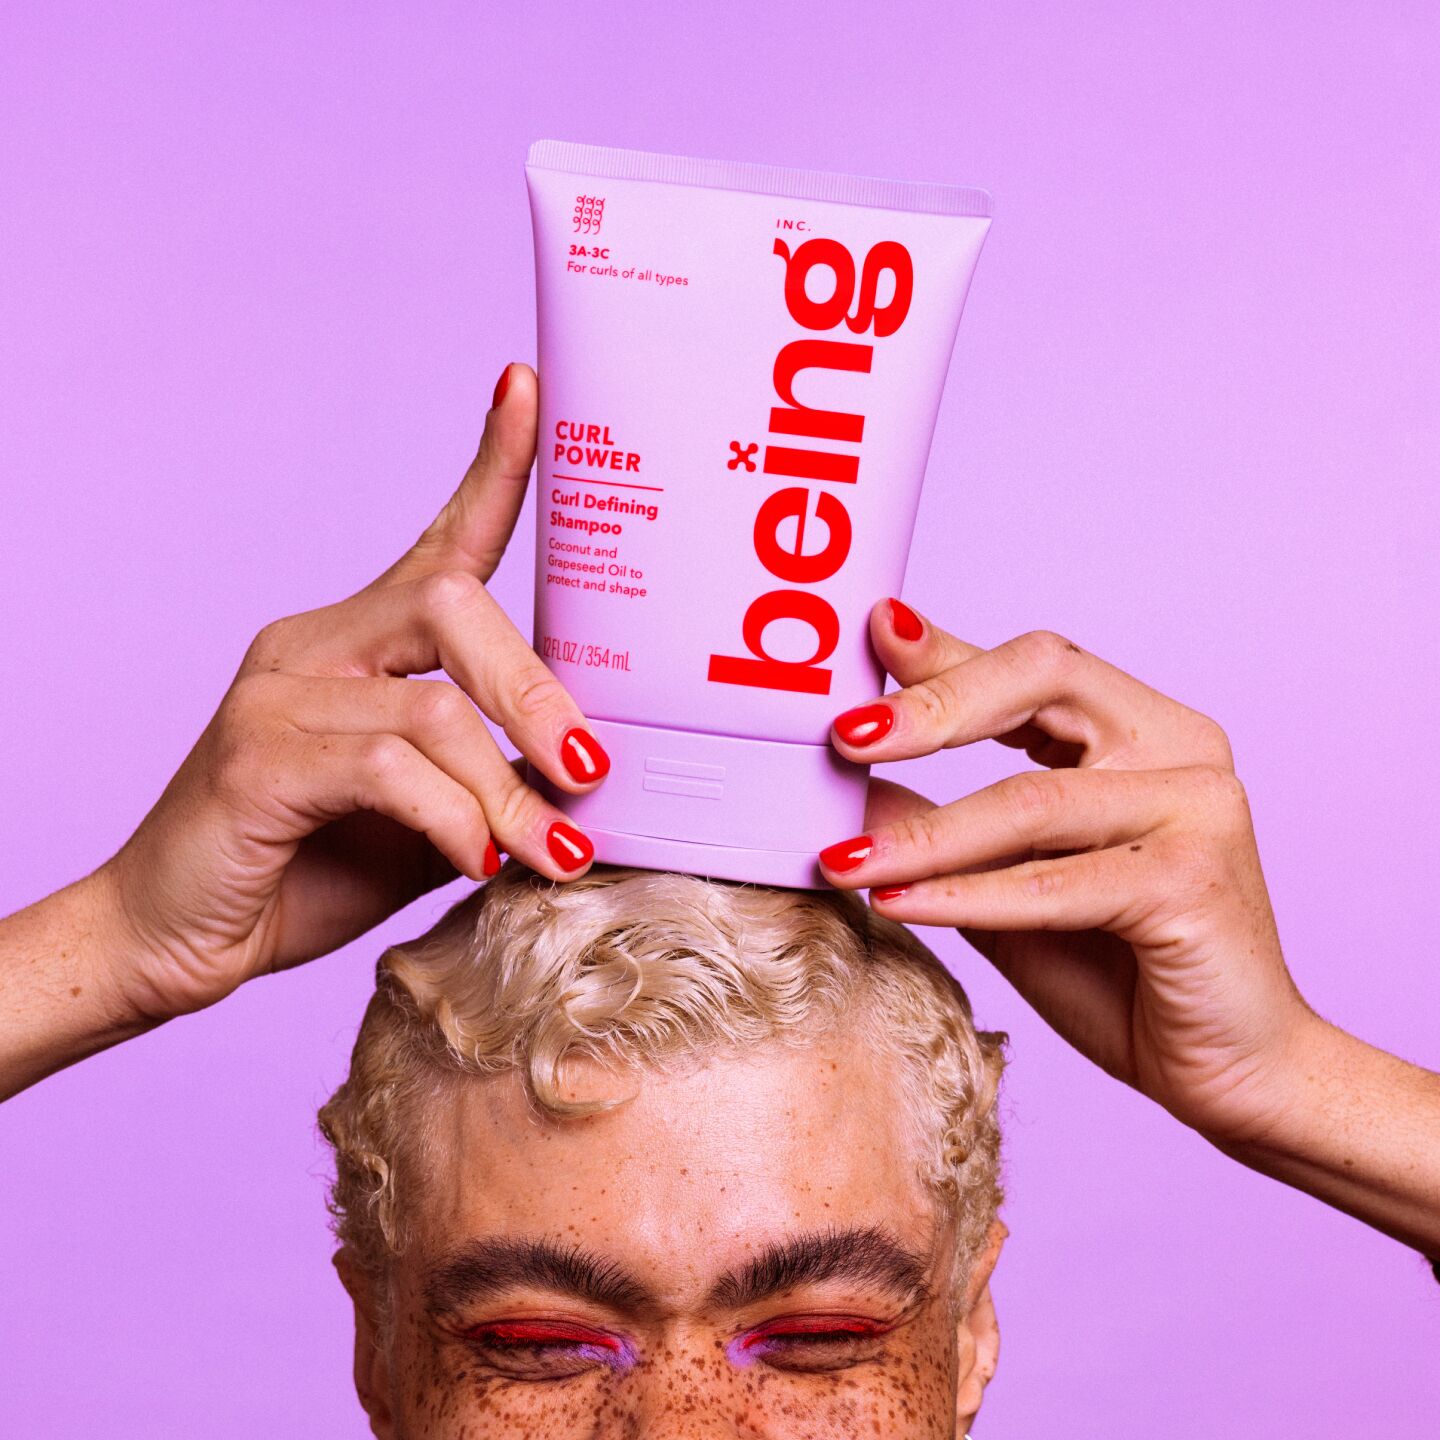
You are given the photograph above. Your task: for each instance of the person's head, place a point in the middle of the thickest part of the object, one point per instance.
(645, 1155)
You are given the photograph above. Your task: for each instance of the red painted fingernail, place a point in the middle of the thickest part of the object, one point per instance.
(492, 859)
(847, 854)
(865, 724)
(584, 756)
(501, 386)
(904, 621)
(890, 892)
(568, 847)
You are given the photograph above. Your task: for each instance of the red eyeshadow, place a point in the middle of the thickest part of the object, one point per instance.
(542, 1332)
(813, 1325)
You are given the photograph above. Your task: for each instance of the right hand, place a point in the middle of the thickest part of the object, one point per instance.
(1120, 891)
(329, 791)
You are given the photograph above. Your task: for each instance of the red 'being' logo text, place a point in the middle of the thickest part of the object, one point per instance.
(792, 422)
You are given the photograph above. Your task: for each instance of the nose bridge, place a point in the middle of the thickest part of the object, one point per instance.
(689, 1390)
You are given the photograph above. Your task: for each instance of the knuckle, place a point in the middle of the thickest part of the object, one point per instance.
(461, 812)
(270, 645)
(535, 694)
(382, 757)
(1047, 648)
(446, 591)
(1211, 740)
(1035, 799)
(514, 809)
(1221, 792)
(1041, 879)
(438, 708)
(920, 833)
(1046, 653)
(930, 702)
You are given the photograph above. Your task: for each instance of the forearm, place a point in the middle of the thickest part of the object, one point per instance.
(60, 993)
(1362, 1134)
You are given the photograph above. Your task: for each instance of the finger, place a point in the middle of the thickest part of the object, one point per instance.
(887, 802)
(475, 526)
(442, 724)
(446, 620)
(954, 695)
(327, 777)
(1058, 810)
(912, 650)
(1097, 890)
(1039, 691)
(1180, 828)
(910, 647)
(367, 867)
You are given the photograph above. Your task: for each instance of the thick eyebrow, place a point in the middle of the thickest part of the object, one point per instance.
(871, 1256)
(482, 1269)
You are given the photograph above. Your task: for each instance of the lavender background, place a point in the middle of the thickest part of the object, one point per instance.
(262, 264)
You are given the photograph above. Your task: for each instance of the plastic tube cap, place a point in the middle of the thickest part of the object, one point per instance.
(722, 806)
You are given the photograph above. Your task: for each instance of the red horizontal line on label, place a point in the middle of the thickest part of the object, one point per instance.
(619, 484)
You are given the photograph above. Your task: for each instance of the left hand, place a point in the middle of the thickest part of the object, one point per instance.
(332, 787)
(1121, 892)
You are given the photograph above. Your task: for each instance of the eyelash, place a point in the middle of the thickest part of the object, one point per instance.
(542, 1332)
(824, 1327)
(808, 1337)
(568, 1347)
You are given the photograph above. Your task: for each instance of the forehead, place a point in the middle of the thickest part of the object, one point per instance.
(695, 1170)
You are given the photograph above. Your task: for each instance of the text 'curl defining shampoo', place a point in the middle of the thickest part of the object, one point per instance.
(740, 369)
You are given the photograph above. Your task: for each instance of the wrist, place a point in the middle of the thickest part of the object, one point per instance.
(1360, 1131)
(64, 983)
(1283, 1109)
(120, 959)
(1297, 1117)
(146, 974)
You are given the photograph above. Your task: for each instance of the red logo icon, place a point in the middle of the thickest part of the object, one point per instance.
(589, 212)
(742, 456)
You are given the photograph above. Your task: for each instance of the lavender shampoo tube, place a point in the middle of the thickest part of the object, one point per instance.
(740, 370)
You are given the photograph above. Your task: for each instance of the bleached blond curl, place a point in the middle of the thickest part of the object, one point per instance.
(652, 970)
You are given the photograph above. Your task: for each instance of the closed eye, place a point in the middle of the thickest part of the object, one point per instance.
(542, 1332)
(811, 1342)
(546, 1349)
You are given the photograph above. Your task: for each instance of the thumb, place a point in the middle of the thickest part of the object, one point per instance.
(475, 526)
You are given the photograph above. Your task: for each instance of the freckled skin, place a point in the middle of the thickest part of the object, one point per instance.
(685, 1181)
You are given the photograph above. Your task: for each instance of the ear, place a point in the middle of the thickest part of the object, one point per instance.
(372, 1365)
(977, 1332)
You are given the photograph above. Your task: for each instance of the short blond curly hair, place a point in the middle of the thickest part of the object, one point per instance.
(652, 970)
